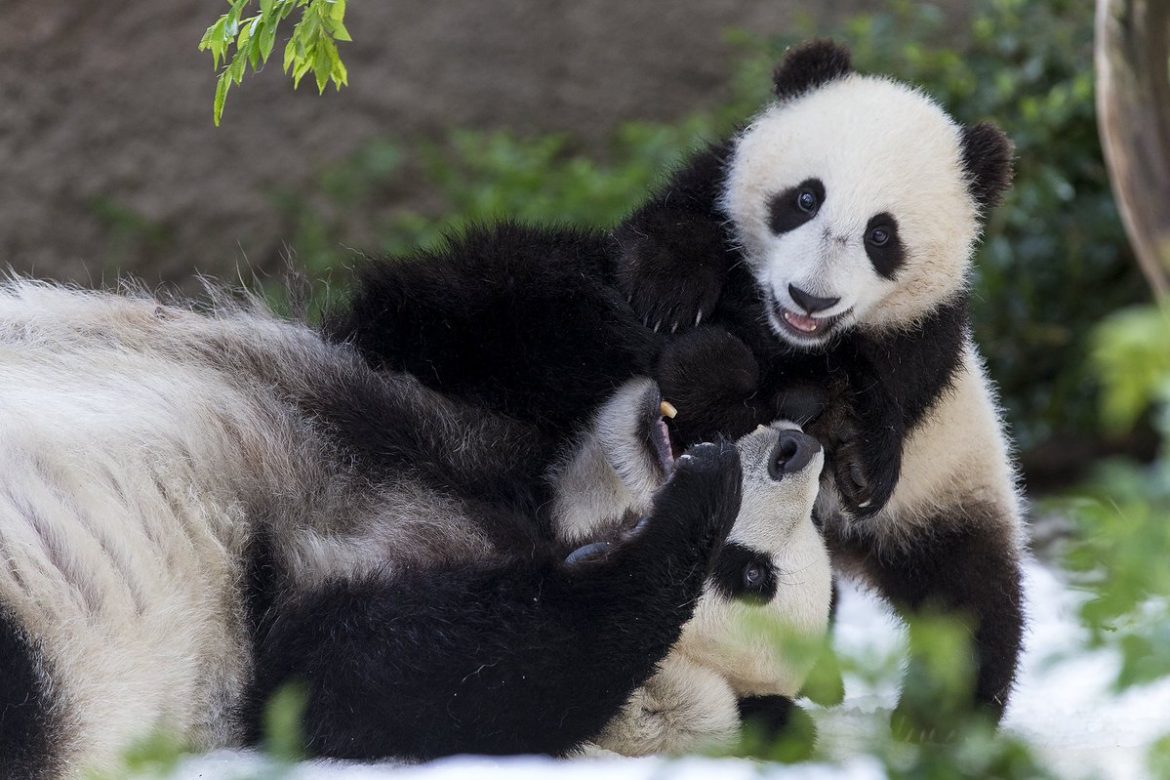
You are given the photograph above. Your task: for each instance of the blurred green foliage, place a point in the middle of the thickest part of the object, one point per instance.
(1055, 259)
(1121, 551)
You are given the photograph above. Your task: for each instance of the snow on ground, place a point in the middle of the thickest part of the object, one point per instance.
(1062, 707)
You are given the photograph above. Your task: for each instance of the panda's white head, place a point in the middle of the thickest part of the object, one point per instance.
(774, 564)
(856, 199)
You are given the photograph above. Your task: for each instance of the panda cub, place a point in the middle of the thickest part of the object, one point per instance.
(774, 565)
(198, 508)
(823, 257)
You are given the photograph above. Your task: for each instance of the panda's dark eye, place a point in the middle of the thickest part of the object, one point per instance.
(753, 576)
(807, 201)
(878, 236)
(884, 245)
(795, 206)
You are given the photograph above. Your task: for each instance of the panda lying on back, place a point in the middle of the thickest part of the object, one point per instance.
(196, 509)
(831, 244)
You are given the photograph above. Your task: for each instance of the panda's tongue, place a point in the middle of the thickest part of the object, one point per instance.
(800, 322)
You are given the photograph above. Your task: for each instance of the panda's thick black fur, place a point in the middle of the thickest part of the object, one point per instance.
(540, 324)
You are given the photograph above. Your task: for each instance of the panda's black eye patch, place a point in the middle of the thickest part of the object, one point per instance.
(795, 206)
(743, 573)
(883, 246)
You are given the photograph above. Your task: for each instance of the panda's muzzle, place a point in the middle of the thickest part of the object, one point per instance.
(793, 451)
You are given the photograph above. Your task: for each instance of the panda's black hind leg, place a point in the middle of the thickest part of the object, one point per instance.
(527, 656)
(968, 567)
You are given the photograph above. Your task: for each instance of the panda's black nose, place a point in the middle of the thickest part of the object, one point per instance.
(809, 302)
(792, 453)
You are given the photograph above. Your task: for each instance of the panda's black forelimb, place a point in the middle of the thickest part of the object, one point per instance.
(526, 656)
(674, 252)
(518, 320)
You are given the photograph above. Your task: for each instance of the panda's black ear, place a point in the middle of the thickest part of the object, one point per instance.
(810, 65)
(988, 163)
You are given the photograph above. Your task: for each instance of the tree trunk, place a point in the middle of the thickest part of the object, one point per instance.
(1133, 109)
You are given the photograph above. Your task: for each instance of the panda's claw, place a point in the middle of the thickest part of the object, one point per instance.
(587, 554)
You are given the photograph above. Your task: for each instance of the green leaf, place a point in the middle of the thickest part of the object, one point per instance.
(290, 54)
(222, 85)
(323, 63)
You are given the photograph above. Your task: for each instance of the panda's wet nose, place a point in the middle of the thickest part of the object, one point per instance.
(809, 302)
(792, 453)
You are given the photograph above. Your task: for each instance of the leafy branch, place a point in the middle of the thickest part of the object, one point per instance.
(311, 47)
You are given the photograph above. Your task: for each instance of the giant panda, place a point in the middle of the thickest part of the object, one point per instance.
(833, 237)
(855, 195)
(199, 507)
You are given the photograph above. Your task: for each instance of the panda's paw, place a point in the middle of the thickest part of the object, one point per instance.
(672, 275)
(865, 470)
(702, 494)
(710, 402)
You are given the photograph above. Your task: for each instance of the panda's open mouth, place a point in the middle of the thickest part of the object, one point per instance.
(664, 445)
(802, 327)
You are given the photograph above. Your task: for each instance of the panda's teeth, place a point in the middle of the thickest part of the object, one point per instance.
(801, 323)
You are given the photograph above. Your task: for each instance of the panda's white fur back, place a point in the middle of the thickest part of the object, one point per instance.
(122, 542)
(142, 445)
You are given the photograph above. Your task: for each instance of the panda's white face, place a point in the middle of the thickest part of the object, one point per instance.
(774, 567)
(852, 207)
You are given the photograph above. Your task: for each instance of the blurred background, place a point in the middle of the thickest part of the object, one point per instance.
(551, 110)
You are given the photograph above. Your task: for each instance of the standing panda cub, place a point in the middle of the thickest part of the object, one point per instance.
(823, 256)
(773, 566)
